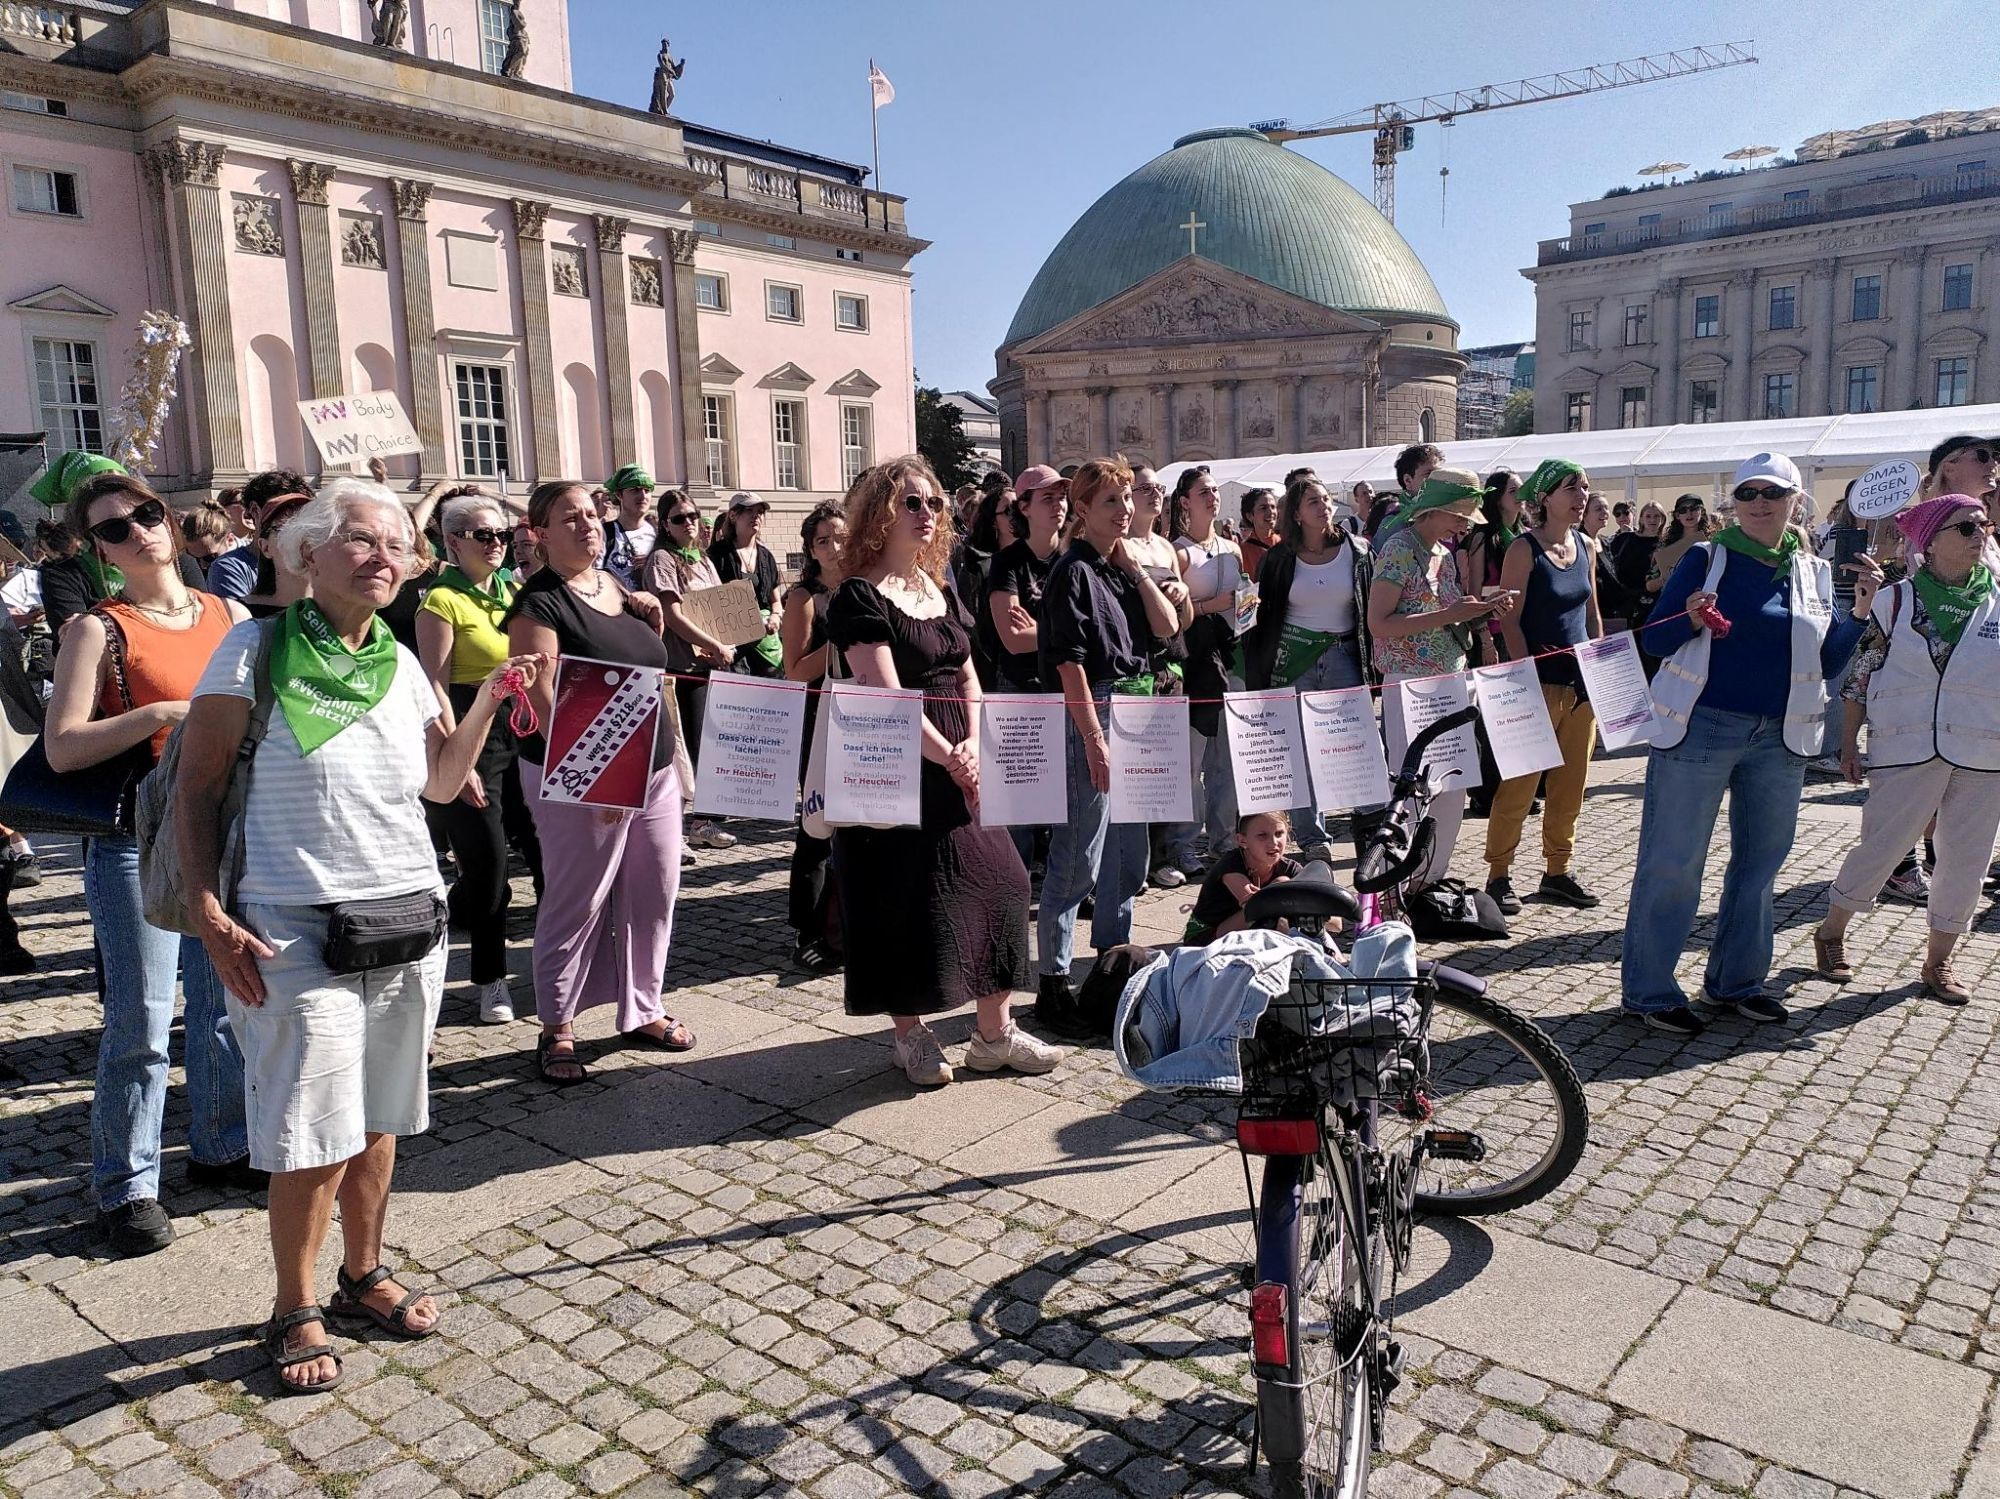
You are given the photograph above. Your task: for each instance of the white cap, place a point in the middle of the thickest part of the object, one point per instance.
(1771, 468)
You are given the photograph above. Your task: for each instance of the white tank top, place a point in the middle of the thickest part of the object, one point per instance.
(1209, 572)
(1322, 596)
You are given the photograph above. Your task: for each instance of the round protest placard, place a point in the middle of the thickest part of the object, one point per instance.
(1884, 489)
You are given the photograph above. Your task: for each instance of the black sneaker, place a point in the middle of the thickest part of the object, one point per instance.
(1502, 891)
(1564, 889)
(1056, 1010)
(27, 870)
(1682, 1022)
(1086, 908)
(230, 1176)
(136, 1228)
(814, 958)
(1763, 1009)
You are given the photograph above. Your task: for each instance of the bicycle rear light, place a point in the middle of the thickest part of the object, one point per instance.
(1268, 1342)
(1278, 1136)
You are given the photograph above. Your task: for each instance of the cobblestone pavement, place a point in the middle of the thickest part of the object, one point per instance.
(763, 1268)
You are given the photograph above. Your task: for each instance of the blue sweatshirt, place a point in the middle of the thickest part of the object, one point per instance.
(1749, 669)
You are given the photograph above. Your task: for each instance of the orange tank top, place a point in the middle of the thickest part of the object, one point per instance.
(162, 664)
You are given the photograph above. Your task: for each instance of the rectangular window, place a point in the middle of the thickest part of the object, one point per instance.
(1784, 307)
(1576, 412)
(1597, 228)
(45, 190)
(66, 390)
(1797, 201)
(1867, 304)
(1635, 324)
(711, 291)
(1632, 406)
(841, 252)
(709, 227)
(850, 312)
(1970, 166)
(1780, 396)
(1957, 287)
(1707, 316)
(1954, 381)
(481, 391)
(33, 104)
(496, 34)
(717, 434)
(857, 442)
(1579, 328)
(781, 241)
(1864, 387)
(788, 431)
(1649, 221)
(783, 303)
(1704, 400)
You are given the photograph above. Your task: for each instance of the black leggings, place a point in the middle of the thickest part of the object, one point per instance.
(478, 837)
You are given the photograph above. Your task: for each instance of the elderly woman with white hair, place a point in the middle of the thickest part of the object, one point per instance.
(326, 931)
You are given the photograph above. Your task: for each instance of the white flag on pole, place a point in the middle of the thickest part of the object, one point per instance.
(880, 86)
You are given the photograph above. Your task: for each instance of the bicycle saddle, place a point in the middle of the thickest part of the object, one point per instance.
(1312, 896)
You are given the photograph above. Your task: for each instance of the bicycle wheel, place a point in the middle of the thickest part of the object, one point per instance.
(1506, 1114)
(1313, 1408)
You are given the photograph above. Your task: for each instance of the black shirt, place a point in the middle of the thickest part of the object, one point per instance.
(1018, 571)
(1093, 616)
(1215, 904)
(581, 631)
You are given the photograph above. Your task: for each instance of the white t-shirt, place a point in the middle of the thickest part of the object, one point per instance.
(347, 821)
(1322, 596)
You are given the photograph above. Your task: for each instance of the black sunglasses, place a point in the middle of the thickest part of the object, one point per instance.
(1691, 508)
(118, 529)
(916, 503)
(1749, 494)
(1979, 455)
(684, 518)
(486, 536)
(1971, 528)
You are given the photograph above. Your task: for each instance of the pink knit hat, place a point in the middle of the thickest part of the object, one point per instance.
(1919, 523)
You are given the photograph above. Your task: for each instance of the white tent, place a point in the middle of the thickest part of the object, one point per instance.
(1647, 462)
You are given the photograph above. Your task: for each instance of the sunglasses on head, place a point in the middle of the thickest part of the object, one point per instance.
(118, 529)
(917, 503)
(486, 536)
(1751, 493)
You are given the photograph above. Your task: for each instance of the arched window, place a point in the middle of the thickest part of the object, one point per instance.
(1426, 425)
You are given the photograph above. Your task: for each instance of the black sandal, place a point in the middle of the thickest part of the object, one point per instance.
(346, 1304)
(272, 1336)
(664, 1042)
(544, 1060)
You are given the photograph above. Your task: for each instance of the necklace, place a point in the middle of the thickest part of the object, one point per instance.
(597, 579)
(165, 611)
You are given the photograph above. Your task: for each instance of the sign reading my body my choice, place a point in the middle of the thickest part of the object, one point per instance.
(352, 429)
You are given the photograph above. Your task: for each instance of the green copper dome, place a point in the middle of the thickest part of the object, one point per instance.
(1270, 213)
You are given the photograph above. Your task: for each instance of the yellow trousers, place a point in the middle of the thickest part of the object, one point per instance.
(1562, 804)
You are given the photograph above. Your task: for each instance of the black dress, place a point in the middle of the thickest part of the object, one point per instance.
(935, 916)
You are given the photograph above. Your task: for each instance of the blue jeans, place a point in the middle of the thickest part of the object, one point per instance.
(140, 964)
(1340, 667)
(1744, 755)
(1089, 853)
(1215, 797)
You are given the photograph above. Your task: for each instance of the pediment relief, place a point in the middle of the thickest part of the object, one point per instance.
(787, 376)
(62, 299)
(1862, 350)
(714, 367)
(1196, 301)
(1960, 340)
(1633, 369)
(855, 383)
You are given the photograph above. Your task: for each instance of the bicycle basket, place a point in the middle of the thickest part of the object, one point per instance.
(1341, 1041)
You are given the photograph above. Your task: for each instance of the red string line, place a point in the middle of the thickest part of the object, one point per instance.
(521, 718)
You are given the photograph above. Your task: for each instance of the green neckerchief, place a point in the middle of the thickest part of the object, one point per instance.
(1134, 686)
(1950, 607)
(499, 587)
(1298, 649)
(1742, 542)
(322, 685)
(690, 555)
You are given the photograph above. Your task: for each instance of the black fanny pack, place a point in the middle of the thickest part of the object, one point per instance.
(385, 933)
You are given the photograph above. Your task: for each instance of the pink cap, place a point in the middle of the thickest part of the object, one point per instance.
(1919, 523)
(1041, 476)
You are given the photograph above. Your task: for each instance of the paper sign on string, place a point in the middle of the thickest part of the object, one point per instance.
(874, 756)
(1023, 778)
(1150, 780)
(1344, 749)
(1516, 718)
(1408, 708)
(602, 731)
(1267, 755)
(1615, 678)
(750, 735)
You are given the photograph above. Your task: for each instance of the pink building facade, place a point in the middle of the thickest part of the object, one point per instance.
(552, 285)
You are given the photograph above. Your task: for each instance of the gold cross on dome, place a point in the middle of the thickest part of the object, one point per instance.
(1191, 226)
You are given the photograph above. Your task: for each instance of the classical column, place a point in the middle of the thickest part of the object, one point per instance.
(177, 440)
(528, 219)
(1034, 430)
(413, 244)
(1163, 418)
(1097, 419)
(681, 245)
(309, 180)
(1905, 387)
(1291, 413)
(617, 335)
(1986, 368)
(1821, 399)
(1225, 418)
(201, 244)
(1044, 449)
(1667, 329)
(1738, 395)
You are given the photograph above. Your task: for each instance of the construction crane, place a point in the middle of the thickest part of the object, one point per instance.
(1394, 124)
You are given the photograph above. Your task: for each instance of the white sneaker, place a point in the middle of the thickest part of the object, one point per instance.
(1015, 1048)
(921, 1058)
(496, 1003)
(708, 835)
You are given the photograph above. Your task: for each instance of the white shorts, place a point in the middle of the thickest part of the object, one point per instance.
(331, 1058)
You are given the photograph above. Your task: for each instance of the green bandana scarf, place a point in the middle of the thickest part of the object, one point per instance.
(1299, 650)
(499, 587)
(322, 685)
(1744, 544)
(690, 555)
(1950, 607)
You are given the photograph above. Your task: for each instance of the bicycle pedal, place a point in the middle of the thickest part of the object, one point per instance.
(1455, 1145)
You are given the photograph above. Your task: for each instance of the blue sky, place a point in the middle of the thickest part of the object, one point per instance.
(1012, 117)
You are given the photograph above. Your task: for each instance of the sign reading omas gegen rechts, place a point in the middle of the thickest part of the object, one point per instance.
(352, 429)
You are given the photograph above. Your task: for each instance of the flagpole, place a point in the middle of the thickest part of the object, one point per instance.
(875, 131)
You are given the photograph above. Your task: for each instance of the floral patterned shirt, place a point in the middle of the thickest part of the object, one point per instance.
(1428, 579)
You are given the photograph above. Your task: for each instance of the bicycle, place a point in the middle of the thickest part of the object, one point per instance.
(1369, 1101)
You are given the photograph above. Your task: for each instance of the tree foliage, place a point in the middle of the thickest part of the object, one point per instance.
(941, 438)
(1517, 417)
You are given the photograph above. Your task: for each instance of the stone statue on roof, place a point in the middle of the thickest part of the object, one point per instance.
(516, 61)
(392, 23)
(666, 73)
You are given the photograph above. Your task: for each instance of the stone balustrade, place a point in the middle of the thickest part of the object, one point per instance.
(41, 23)
(841, 198)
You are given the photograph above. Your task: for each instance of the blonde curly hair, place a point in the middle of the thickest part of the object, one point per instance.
(871, 505)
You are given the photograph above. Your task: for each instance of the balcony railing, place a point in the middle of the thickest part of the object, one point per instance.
(707, 165)
(768, 182)
(843, 199)
(1826, 207)
(39, 23)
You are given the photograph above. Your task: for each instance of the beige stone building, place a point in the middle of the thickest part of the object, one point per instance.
(1229, 299)
(1839, 283)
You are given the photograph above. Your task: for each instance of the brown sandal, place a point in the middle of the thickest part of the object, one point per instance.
(346, 1304)
(272, 1336)
(1830, 958)
(667, 1041)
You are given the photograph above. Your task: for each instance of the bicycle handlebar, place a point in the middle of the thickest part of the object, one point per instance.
(1413, 757)
(1402, 842)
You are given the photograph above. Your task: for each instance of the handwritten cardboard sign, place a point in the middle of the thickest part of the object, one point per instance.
(1884, 489)
(729, 613)
(354, 428)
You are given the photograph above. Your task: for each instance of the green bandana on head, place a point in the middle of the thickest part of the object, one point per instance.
(1737, 540)
(66, 475)
(1950, 606)
(323, 685)
(1549, 476)
(1454, 489)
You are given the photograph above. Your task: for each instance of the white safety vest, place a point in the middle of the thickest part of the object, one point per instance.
(1681, 678)
(1914, 715)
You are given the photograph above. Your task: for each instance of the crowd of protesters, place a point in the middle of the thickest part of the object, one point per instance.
(350, 648)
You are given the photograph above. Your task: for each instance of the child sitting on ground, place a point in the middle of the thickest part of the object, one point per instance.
(1259, 859)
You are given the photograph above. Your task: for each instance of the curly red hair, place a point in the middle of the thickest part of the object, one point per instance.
(870, 507)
